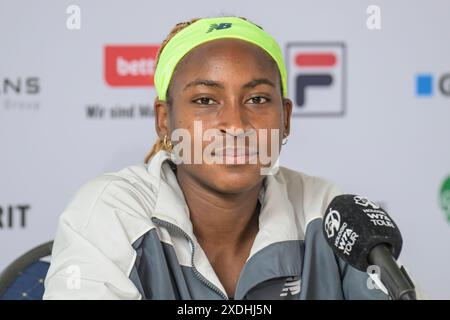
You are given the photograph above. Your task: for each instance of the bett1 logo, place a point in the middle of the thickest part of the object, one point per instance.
(426, 84)
(130, 65)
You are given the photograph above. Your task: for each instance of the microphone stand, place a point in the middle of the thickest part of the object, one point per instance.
(395, 279)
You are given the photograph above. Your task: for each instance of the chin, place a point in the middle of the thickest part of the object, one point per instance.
(235, 178)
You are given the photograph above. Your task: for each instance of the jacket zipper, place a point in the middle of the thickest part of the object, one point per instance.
(191, 242)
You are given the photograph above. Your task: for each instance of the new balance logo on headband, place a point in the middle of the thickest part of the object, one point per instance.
(220, 26)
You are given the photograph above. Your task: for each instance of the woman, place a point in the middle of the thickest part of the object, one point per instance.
(207, 222)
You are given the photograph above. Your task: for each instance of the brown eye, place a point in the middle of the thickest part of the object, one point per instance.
(257, 100)
(204, 101)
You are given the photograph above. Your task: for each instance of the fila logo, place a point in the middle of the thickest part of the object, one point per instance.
(316, 78)
(291, 287)
(220, 26)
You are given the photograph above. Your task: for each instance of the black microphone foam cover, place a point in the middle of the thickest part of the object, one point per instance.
(353, 225)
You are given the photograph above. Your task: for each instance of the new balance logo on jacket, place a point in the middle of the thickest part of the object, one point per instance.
(291, 287)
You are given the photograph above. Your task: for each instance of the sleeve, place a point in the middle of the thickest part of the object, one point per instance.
(90, 263)
(358, 285)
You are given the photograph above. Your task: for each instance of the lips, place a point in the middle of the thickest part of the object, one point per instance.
(235, 155)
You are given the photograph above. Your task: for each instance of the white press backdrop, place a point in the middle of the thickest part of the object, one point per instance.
(369, 131)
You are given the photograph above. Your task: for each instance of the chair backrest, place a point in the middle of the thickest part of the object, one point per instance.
(24, 278)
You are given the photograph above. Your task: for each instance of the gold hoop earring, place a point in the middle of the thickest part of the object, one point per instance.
(167, 144)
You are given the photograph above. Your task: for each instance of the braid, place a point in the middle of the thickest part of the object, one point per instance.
(159, 145)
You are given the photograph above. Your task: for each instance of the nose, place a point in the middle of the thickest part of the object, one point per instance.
(233, 118)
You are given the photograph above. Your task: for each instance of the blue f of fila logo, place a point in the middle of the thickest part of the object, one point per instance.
(220, 26)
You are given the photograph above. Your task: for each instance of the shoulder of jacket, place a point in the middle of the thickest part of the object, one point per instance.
(310, 195)
(307, 184)
(127, 195)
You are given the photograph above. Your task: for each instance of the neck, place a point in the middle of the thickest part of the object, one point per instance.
(218, 219)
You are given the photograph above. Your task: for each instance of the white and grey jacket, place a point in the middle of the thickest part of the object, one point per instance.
(127, 235)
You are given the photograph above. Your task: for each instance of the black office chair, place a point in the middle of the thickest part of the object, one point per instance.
(24, 278)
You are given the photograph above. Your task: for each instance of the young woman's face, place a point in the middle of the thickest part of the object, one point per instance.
(227, 84)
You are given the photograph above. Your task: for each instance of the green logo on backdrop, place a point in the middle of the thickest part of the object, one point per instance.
(444, 197)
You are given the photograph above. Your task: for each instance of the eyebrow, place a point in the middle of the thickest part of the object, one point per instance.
(216, 84)
(204, 82)
(257, 82)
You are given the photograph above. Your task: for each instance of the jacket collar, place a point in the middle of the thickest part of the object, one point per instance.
(170, 203)
(276, 220)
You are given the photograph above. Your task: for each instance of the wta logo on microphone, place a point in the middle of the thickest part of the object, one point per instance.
(345, 236)
(316, 78)
(374, 212)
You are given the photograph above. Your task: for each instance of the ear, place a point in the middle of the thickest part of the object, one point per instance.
(287, 104)
(161, 110)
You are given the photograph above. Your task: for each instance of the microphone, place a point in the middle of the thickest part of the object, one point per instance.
(362, 234)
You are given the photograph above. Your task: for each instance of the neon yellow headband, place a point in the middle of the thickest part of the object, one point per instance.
(208, 29)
